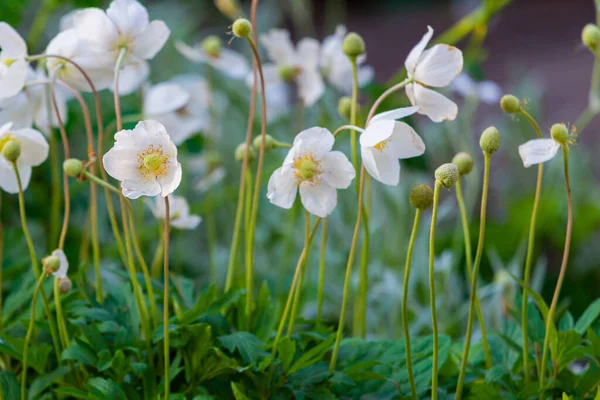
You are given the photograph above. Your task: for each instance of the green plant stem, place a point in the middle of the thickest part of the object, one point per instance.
(117, 100)
(40, 21)
(411, 245)
(298, 290)
(38, 287)
(158, 255)
(166, 298)
(469, 262)
(211, 228)
(288, 303)
(434, 325)
(561, 275)
(55, 192)
(322, 261)
(353, 114)
(530, 250)
(478, 254)
(62, 327)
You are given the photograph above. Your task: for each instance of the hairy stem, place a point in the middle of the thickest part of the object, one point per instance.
(434, 325)
(322, 261)
(166, 298)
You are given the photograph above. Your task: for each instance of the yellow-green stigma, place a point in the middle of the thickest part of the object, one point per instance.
(307, 169)
(8, 61)
(212, 46)
(288, 72)
(153, 162)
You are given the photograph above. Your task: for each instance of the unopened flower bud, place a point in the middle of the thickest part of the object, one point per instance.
(353, 45)
(212, 46)
(560, 133)
(490, 140)
(270, 143)
(345, 107)
(240, 152)
(51, 264)
(510, 104)
(242, 28)
(65, 285)
(447, 175)
(73, 167)
(11, 150)
(464, 162)
(590, 36)
(421, 197)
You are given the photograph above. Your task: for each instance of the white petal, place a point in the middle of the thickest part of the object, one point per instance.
(319, 200)
(122, 163)
(66, 21)
(415, 54)
(170, 182)
(381, 165)
(12, 44)
(315, 140)
(270, 75)
(405, 142)
(232, 64)
(18, 110)
(8, 179)
(164, 98)
(436, 106)
(130, 17)
(63, 268)
(64, 44)
(464, 85)
(377, 132)
(489, 92)
(132, 76)
(439, 65)
(282, 188)
(188, 223)
(398, 113)
(195, 54)
(95, 29)
(310, 86)
(337, 170)
(34, 148)
(308, 53)
(134, 189)
(13, 79)
(537, 151)
(279, 47)
(150, 41)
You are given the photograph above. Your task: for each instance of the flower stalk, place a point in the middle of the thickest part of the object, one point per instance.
(298, 289)
(167, 362)
(434, 325)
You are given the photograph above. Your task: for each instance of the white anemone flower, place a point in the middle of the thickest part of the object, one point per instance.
(179, 212)
(317, 171)
(144, 159)
(63, 268)
(537, 151)
(385, 141)
(34, 151)
(124, 25)
(299, 65)
(487, 91)
(227, 61)
(13, 63)
(17, 110)
(181, 105)
(434, 67)
(337, 68)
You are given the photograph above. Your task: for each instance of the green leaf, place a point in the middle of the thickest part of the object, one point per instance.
(68, 393)
(80, 351)
(588, 317)
(312, 356)
(248, 345)
(104, 389)
(9, 385)
(566, 322)
(480, 391)
(285, 352)
(597, 394)
(44, 381)
(238, 391)
(496, 374)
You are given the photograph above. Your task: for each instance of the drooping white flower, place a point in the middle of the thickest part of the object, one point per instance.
(317, 171)
(385, 141)
(434, 67)
(13, 65)
(336, 66)
(34, 151)
(299, 65)
(125, 24)
(179, 212)
(227, 61)
(62, 270)
(181, 105)
(144, 159)
(537, 151)
(487, 91)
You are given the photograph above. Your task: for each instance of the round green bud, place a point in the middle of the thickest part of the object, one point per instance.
(447, 175)
(353, 45)
(270, 143)
(65, 285)
(11, 150)
(560, 133)
(240, 152)
(421, 197)
(242, 28)
(590, 36)
(51, 264)
(345, 107)
(510, 104)
(464, 162)
(490, 140)
(73, 167)
(212, 46)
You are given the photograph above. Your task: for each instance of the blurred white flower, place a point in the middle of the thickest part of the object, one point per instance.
(144, 159)
(299, 65)
(318, 171)
(336, 66)
(228, 62)
(537, 151)
(179, 212)
(16, 110)
(434, 67)
(13, 66)
(210, 168)
(181, 105)
(34, 151)
(486, 91)
(66, 21)
(62, 270)
(125, 24)
(385, 141)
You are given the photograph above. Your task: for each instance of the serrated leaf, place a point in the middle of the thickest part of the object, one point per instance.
(588, 317)
(313, 355)
(105, 389)
(285, 352)
(44, 381)
(81, 352)
(248, 345)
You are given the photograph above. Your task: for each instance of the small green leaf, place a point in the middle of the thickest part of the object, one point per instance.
(566, 323)
(238, 391)
(285, 352)
(44, 381)
(9, 386)
(104, 389)
(80, 351)
(588, 317)
(248, 345)
(312, 356)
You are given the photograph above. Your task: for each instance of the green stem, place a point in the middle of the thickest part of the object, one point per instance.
(561, 275)
(211, 228)
(38, 287)
(62, 327)
(322, 261)
(478, 254)
(298, 289)
(158, 255)
(55, 192)
(469, 262)
(39, 22)
(353, 114)
(117, 100)
(239, 211)
(434, 325)
(411, 245)
(166, 298)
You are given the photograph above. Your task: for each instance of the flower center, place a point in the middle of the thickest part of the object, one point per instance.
(4, 140)
(288, 72)
(8, 61)
(175, 215)
(382, 145)
(152, 162)
(307, 168)
(212, 46)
